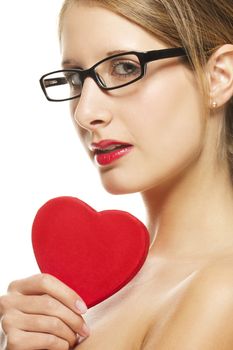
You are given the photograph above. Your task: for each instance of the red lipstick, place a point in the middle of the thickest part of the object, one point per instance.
(107, 151)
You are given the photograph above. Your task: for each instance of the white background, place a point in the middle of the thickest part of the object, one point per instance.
(40, 153)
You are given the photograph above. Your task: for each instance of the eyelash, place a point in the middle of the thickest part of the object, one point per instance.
(122, 62)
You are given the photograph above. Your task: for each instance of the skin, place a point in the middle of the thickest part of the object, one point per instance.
(182, 298)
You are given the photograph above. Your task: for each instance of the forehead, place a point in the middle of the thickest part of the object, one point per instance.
(91, 31)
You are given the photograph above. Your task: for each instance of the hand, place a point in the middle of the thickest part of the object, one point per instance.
(41, 312)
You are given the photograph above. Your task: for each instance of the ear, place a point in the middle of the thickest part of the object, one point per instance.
(220, 75)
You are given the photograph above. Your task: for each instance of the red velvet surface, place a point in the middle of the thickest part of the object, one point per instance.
(95, 253)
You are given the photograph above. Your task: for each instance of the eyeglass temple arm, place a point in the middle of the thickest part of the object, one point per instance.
(166, 53)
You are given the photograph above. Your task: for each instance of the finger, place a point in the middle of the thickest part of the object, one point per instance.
(40, 324)
(47, 306)
(48, 284)
(21, 340)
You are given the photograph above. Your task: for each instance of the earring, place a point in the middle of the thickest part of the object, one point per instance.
(214, 104)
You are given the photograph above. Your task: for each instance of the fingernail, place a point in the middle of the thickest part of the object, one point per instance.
(81, 339)
(81, 306)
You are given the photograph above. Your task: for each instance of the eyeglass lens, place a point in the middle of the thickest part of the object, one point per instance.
(113, 72)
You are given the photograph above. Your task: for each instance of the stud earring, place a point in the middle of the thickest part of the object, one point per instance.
(214, 104)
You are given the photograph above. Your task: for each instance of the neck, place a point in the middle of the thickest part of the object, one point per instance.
(192, 218)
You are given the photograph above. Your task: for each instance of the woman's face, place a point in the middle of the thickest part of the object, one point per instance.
(159, 115)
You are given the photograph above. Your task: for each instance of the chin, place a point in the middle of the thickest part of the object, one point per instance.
(122, 186)
(126, 180)
(113, 189)
(118, 187)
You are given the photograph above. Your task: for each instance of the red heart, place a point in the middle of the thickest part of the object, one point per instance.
(95, 253)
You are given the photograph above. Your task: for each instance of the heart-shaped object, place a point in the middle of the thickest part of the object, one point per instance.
(94, 253)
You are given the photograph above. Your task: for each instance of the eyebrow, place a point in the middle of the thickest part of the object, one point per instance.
(69, 62)
(115, 52)
(75, 63)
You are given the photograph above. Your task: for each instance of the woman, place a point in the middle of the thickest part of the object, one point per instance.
(158, 123)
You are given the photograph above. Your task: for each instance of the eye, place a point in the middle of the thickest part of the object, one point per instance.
(125, 68)
(74, 79)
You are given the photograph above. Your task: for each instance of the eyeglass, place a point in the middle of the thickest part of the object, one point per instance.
(111, 73)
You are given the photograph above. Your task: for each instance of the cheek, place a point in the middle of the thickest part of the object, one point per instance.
(172, 118)
(167, 126)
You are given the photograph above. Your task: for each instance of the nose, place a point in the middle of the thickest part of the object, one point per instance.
(92, 110)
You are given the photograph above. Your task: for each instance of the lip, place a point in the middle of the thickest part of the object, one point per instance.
(102, 145)
(110, 156)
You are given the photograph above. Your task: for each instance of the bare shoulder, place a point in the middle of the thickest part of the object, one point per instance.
(212, 287)
(203, 317)
(216, 278)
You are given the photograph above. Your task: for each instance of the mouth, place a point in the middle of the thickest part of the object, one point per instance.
(107, 151)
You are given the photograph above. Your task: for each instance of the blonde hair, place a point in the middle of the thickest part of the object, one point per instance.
(199, 26)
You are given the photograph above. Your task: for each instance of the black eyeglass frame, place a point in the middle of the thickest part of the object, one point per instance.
(143, 57)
